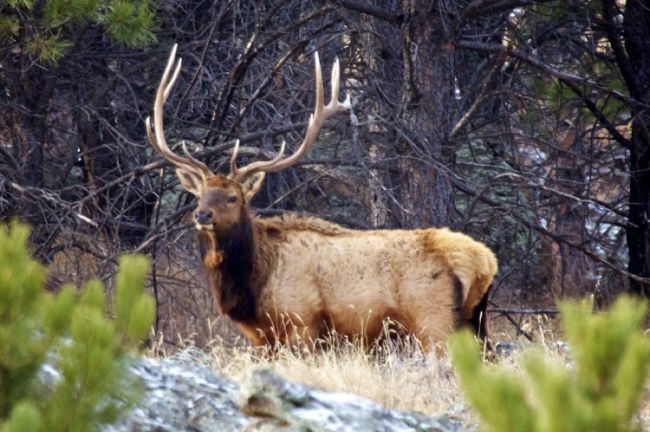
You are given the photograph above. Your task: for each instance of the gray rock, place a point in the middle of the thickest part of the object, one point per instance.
(181, 394)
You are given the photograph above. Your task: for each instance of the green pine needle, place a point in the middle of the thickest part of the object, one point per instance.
(72, 333)
(601, 391)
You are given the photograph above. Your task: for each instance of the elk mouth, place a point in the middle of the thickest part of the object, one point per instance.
(204, 226)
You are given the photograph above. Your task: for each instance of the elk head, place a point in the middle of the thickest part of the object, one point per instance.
(223, 199)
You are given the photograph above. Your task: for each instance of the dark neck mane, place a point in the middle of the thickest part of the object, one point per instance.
(231, 267)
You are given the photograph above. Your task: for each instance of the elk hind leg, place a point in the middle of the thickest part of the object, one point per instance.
(435, 311)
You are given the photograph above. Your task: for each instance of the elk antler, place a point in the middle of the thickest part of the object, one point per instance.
(157, 137)
(321, 113)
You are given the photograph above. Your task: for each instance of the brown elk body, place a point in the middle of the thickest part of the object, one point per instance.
(296, 278)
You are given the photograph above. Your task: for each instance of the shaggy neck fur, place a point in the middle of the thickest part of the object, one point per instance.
(231, 264)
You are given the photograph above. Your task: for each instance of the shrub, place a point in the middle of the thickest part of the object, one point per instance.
(63, 362)
(46, 30)
(599, 390)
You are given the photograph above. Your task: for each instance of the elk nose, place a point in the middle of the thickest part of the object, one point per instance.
(203, 216)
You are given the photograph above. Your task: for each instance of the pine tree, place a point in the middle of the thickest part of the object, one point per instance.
(70, 335)
(600, 391)
(45, 30)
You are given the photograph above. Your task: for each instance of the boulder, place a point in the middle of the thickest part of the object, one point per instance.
(182, 394)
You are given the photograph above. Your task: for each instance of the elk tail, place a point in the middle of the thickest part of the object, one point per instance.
(479, 322)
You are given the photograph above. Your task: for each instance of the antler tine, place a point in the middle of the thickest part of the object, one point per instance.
(321, 113)
(177, 70)
(199, 164)
(157, 136)
(320, 94)
(240, 174)
(335, 86)
(234, 172)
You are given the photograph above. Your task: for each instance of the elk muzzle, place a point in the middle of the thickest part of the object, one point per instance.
(203, 219)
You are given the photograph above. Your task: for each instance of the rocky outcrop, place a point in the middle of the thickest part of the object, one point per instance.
(181, 394)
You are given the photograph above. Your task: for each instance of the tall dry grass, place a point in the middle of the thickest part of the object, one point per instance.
(396, 378)
(397, 374)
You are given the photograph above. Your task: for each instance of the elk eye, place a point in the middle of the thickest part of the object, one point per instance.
(232, 199)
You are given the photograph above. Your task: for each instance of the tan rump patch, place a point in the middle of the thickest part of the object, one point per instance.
(430, 241)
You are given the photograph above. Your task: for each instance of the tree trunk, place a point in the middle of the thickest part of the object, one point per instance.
(428, 92)
(572, 274)
(380, 60)
(637, 44)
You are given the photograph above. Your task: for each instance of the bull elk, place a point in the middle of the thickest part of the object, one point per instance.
(315, 275)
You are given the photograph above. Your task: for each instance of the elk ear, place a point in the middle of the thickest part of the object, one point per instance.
(189, 181)
(252, 185)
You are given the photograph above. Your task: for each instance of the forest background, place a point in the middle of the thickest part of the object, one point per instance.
(522, 123)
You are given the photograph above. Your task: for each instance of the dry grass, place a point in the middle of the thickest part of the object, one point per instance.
(399, 375)
(395, 378)
(396, 375)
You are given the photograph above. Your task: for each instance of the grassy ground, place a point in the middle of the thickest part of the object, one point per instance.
(403, 379)
(398, 376)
